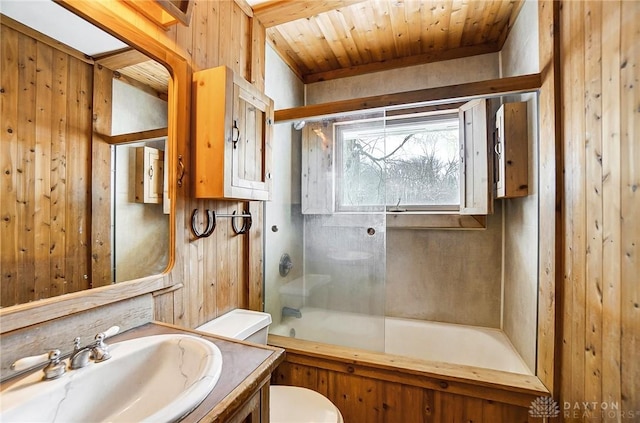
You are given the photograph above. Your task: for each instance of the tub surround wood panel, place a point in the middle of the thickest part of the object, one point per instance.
(376, 387)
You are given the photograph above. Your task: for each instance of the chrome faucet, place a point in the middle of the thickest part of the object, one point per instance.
(97, 350)
(290, 311)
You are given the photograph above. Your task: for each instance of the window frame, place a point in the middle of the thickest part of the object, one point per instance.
(408, 116)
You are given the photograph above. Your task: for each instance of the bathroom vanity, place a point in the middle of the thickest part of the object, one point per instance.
(240, 386)
(243, 387)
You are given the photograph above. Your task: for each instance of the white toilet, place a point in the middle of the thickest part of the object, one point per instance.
(288, 404)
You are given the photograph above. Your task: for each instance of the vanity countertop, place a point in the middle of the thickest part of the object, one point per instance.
(245, 368)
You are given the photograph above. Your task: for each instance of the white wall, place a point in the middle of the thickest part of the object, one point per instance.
(134, 111)
(283, 211)
(520, 56)
(438, 74)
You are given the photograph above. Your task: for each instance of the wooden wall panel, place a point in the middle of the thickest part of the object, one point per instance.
(601, 117)
(46, 136)
(224, 271)
(374, 398)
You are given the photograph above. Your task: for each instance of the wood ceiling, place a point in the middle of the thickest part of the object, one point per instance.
(329, 39)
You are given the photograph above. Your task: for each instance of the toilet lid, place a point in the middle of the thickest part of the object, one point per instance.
(292, 404)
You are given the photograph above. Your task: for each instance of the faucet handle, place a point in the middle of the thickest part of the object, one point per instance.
(53, 370)
(100, 350)
(108, 333)
(28, 362)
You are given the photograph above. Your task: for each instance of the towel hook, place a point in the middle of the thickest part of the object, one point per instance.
(246, 222)
(211, 223)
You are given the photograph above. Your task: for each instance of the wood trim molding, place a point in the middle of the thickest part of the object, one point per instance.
(276, 12)
(551, 197)
(438, 95)
(137, 136)
(16, 317)
(490, 384)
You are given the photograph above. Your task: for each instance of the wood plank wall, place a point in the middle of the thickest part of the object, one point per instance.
(373, 396)
(600, 55)
(218, 272)
(46, 178)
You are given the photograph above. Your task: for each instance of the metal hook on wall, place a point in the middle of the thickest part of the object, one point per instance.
(211, 223)
(246, 222)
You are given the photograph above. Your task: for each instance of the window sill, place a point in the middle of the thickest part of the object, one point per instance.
(418, 220)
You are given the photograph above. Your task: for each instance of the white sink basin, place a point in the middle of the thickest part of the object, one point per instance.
(158, 378)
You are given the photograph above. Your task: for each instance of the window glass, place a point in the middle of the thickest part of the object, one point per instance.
(407, 163)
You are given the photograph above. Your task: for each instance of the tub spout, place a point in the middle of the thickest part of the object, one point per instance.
(290, 311)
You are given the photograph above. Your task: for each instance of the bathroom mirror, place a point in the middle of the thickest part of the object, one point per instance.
(88, 128)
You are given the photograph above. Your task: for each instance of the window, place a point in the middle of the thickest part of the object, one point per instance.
(401, 163)
(429, 163)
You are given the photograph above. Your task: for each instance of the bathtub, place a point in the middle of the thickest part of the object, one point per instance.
(433, 341)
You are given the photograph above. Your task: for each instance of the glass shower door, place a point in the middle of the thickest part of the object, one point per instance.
(337, 296)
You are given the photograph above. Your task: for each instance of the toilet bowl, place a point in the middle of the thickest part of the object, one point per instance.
(287, 404)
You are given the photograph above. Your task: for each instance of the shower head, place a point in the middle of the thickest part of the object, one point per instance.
(298, 125)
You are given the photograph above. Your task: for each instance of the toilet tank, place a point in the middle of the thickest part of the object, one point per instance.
(245, 325)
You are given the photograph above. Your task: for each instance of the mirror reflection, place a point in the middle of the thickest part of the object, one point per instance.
(83, 194)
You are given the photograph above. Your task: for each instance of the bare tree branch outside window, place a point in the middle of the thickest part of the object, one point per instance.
(413, 167)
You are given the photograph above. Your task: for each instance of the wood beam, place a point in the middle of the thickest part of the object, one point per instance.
(446, 94)
(137, 136)
(121, 59)
(276, 12)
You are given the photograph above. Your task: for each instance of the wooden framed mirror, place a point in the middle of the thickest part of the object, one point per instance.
(98, 155)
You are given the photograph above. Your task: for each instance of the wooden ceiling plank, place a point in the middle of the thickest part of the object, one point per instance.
(382, 29)
(489, 16)
(351, 23)
(413, 17)
(140, 85)
(434, 56)
(299, 45)
(442, 27)
(472, 22)
(278, 12)
(338, 21)
(327, 28)
(436, 10)
(311, 36)
(363, 18)
(502, 19)
(399, 28)
(459, 11)
(429, 96)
